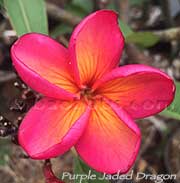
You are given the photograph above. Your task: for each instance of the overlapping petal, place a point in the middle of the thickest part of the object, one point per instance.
(52, 127)
(44, 65)
(111, 140)
(96, 45)
(141, 90)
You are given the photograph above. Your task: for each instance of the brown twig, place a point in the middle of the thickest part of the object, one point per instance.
(63, 40)
(61, 14)
(6, 76)
(166, 11)
(103, 4)
(134, 54)
(124, 10)
(95, 5)
(137, 56)
(7, 128)
(171, 34)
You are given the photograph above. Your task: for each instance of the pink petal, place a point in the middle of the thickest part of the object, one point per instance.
(96, 45)
(43, 64)
(111, 140)
(141, 90)
(52, 127)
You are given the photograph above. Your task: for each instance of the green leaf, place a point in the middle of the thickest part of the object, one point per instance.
(174, 109)
(1, 3)
(126, 30)
(27, 15)
(112, 6)
(144, 39)
(5, 151)
(80, 168)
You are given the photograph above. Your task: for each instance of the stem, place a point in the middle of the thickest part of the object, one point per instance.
(166, 11)
(124, 10)
(95, 5)
(74, 152)
(48, 173)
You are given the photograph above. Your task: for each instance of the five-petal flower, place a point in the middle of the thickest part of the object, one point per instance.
(89, 102)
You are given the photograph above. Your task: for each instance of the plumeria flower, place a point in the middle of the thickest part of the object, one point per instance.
(90, 103)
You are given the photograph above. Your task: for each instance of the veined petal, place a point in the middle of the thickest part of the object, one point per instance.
(43, 64)
(51, 127)
(96, 45)
(141, 90)
(111, 140)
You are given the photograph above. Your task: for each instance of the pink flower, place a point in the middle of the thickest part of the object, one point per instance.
(89, 102)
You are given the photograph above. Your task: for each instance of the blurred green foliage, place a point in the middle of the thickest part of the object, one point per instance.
(61, 29)
(137, 2)
(80, 7)
(5, 151)
(174, 109)
(80, 168)
(144, 39)
(27, 16)
(1, 3)
(126, 30)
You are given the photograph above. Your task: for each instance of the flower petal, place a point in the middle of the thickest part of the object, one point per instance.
(96, 45)
(141, 90)
(111, 140)
(52, 127)
(43, 64)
